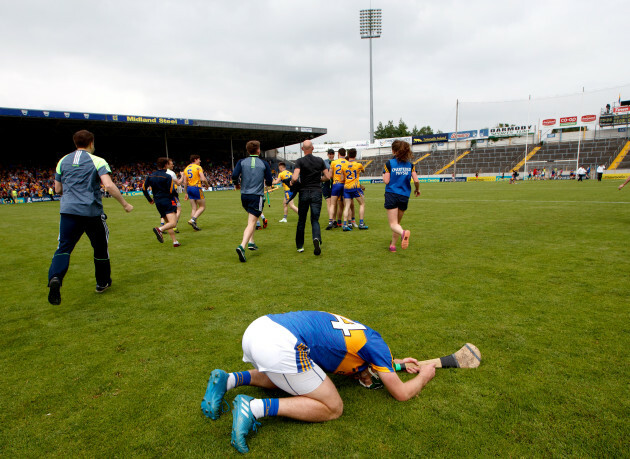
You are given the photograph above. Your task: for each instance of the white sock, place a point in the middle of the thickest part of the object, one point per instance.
(258, 407)
(231, 382)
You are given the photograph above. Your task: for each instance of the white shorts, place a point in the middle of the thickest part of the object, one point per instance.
(271, 348)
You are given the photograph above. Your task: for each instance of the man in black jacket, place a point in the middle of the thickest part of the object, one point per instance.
(308, 171)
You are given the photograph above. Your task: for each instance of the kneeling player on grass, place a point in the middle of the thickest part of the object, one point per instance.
(293, 352)
(162, 187)
(397, 175)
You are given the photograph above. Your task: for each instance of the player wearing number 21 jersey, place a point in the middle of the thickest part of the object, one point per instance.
(293, 352)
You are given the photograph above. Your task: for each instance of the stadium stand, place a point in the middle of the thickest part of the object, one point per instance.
(592, 152)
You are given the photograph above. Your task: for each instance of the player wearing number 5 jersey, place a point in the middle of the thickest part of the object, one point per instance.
(293, 352)
(352, 189)
(193, 178)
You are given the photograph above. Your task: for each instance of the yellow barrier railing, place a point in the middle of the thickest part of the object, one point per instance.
(452, 162)
(527, 158)
(622, 154)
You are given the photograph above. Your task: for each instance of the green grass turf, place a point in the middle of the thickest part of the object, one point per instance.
(536, 275)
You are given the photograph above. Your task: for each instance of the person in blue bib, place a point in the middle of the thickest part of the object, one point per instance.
(398, 173)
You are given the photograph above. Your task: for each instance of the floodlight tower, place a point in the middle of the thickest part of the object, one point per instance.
(370, 27)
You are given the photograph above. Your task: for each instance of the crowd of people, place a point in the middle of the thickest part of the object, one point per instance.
(30, 182)
(25, 182)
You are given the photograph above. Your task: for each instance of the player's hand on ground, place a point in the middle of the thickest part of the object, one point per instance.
(428, 371)
(128, 207)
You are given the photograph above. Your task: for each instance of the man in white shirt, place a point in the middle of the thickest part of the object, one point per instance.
(581, 173)
(600, 172)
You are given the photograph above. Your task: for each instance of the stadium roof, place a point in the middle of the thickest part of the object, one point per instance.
(47, 135)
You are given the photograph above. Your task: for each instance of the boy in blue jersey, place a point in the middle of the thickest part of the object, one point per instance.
(164, 197)
(293, 352)
(78, 178)
(398, 173)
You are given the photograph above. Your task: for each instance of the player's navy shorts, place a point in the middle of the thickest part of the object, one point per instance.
(337, 189)
(194, 192)
(288, 195)
(396, 201)
(253, 204)
(326, 189)
(165, 206)
(349, 193)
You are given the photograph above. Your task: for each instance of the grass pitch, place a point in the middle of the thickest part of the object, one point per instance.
(536, 275)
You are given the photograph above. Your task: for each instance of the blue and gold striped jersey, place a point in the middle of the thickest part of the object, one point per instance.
(335, 343)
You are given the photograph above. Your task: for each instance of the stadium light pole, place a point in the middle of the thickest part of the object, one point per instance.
(370, 27)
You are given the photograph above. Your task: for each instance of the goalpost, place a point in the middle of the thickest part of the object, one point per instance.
(561, 167)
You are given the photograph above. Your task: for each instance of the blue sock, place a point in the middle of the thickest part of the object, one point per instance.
(271, 406)
(242, 378)
(361, 222)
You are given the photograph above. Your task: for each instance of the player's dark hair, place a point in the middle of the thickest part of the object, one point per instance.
(162, 162)
(402, 151)
(252, 146)
(331, 151)
(342, 152)
(352, 153)
(282, 164)
(83, 138)
(194, 158)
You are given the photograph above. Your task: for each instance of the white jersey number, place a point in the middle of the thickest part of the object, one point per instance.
(346, 325)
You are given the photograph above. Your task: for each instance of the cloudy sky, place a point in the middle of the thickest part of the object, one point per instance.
(303, 62)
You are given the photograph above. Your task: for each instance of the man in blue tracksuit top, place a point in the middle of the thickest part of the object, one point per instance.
(255, 174)
(78, 178)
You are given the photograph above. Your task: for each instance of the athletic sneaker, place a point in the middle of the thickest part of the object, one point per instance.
(102, 288)
(284, 220)
(318, 246)
(54, 294)
(300, 250)
(241, 254)
(176, 244)
(176, 230)
(354, 224)
(335, 225)
(243, 422)
(212, 403)
(330, 226)
(405, 239)
(265, 221)
(194, 225)
(252, 246)
(392, 248)
(347, 228)
(258, 227)
(158, 234)
(362, 226)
